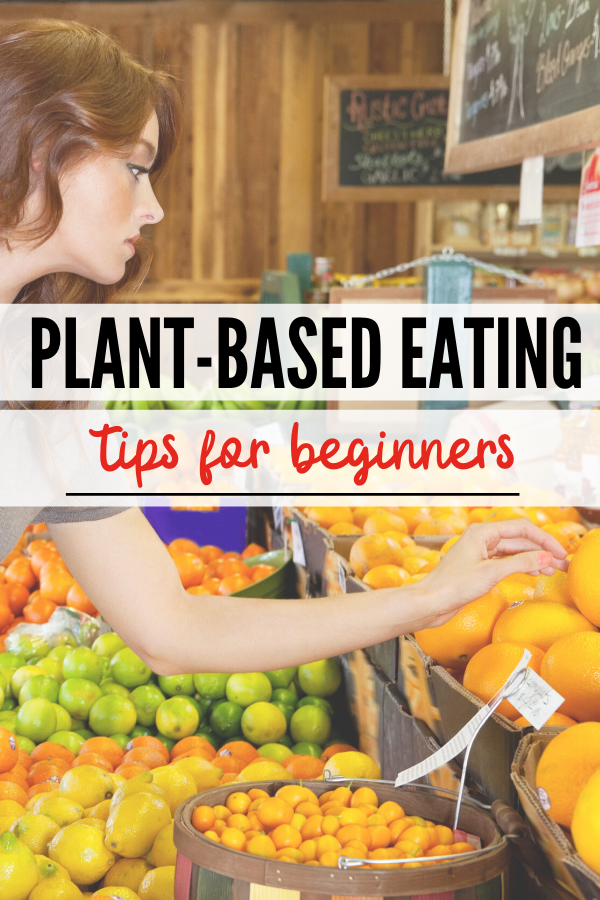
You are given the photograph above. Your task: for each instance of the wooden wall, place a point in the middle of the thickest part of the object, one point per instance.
(245, 187)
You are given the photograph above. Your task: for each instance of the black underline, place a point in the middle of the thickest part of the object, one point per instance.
(292, 494)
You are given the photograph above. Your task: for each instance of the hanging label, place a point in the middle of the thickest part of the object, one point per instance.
(531, 191)
(297, 545)
(588, 217)
(278, 517)
(536, 700)
(342, 577)
(463, 738)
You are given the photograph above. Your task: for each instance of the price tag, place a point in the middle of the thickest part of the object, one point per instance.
(278, 517)
(297, 545)
(536, 700)
(532, 190)
(342, 577)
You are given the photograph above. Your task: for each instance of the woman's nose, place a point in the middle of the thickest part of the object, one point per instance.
(151, 212)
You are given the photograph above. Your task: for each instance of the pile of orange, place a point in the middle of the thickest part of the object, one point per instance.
(296, 826)
(210, 570)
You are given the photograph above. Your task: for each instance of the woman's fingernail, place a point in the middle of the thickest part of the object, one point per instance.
(544, 558)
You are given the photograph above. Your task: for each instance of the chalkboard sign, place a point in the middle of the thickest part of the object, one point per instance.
(525, 81)
(385, 138)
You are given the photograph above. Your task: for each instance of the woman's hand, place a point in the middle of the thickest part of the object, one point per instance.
(484, 555)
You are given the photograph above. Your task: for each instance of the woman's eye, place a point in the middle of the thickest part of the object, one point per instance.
(136, 170)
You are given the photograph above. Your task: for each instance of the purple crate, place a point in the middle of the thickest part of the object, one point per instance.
(225, 528)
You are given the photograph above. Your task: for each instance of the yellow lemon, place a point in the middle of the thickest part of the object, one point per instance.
(7, 821)
(159, 884)
(122, 893)
(585, 826)
(177, 784)
(61, 809)
(18, 868)
(87, 785)
(100, 824)
(164, 851)
(353, 764)
(80, 849)
(35, 832)
(139, 785)
(127, 873)
(11, 808)
(56, 890)
(99, 811)
(133, 825)
(53, 871)
(264, 770)
(204, 773)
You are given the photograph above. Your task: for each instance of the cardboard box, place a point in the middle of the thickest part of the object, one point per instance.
(415, 683)
(365, 686)
(567, 866)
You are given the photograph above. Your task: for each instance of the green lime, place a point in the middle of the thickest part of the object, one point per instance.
(83, 663)
(59, 653)
(263, 723)
(4, 684)
(177, 718)
(29, 645)
(247, 688)
(306, 748)
(77, 696)
(128, 669)
(173, 685)
(53, 667)
(280, 678)
(63, 719)
(67, 739)
(9, 703)
(284, 695)
(112, 714)
(11, 660)
(21, 676)
(210, 736)
(205, 704)
(36, 719)
(278, 752)
(310, 723)
(111, 687)
(309, 700)
(320, 679)
(105, 667)
(288, 711)
(211, 684)
(286, 740)
(8, 676)
(142, 731)
(25, 743)
(84, 733)
(108, 644)
(9, 720)
(121, 739)
(198, 709)
(146, 700)
(40, 686)
(169, 744)
(336, 737)
(225, 719)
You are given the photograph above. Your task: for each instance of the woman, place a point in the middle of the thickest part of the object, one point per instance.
(85, 131)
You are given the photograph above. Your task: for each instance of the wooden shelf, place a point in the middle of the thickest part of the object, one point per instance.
(531, 259)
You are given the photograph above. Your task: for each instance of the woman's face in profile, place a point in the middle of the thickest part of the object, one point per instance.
(106, 201)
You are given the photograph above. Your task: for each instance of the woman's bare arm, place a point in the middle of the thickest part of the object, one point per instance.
(125, 569)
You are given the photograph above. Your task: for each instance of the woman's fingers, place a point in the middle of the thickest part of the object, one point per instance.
(491, 534)
(530, 562)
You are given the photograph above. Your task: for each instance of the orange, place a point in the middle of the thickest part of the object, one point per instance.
(305, 766)
(337, 748)
(233, 838)
(153, 758)
(11, 791)
(50, 770)
(289, 854)
(397, 827)
(286, 836)
(342, 795)
(297, 795)
(257, 793)
(240, 821)
(105, 747)
(228, 567)
(238, 802)
(45, 788)
(326, 516)
(262, 846)
(539, 623)
(198, 589)
(419, 836)
(15, 596)
(9, 751)
(49, 750)
(203, 818)
(386, 576)
(130, 770)
(25, 759)
(79, 600)
(561, 513)
(390, 810)
(212, 836)
(455, 642)
(190, 568)
(565, 766)
(412, 515)
(145, 740)
(330, 858)
(202, 754)
(505, 513)
(331, 824)
(350, 816)
(572, 667)
(380, 836)
(445, 835)
(538, 516)
(345, 528)
(20, 572)
(490, 667)
(42, 556)
(308, 809)
(449, 543)
(312, 828)
(437, 527)
(197, 742)
(38, 611)
(184, 545)
(360, 514)
(257, 573)
(233, 583)
(55, 582)
(355, 833)
(209, 552)
(567, 536)
(583, 578)
(227, 764)
(554, 589)
(211, 585)
(477, 514)
(410, 848)
(219, 826)
(373, 550)
(252, 550)
(461, 847)
(275, 811)
(326, 844)
(364, 795)
(221, 812)
(381, 522)
(308, 849)
(357, 849)
(517, 587)
(555, 719)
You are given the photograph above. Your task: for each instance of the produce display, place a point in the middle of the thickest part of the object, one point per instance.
(296, 826)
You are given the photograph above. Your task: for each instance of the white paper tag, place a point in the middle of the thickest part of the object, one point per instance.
(536, 700)
(532, 191)
(342, 577)
(588, 216)
(297, 545)
(271, 433)
(278, 517)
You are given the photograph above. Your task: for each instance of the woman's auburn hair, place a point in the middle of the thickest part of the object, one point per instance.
(67, 91)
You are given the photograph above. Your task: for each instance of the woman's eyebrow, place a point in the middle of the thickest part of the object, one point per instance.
(150, 149)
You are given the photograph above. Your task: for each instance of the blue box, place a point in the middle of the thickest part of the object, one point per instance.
(225, 528)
